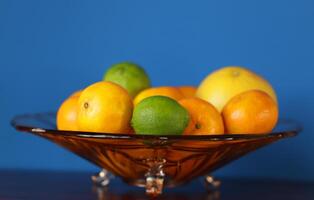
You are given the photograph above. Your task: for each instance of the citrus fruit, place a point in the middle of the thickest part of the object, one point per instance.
(204, 117)
(220, 86)
(130, 76)
(104, 107)
(250, 112)
(67, 113)
(159, 115)
(171, 92)
(76, 94)
(188, 91)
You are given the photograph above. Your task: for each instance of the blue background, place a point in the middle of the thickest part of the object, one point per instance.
(48, 49)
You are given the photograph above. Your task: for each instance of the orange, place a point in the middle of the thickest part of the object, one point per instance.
(188, 91)
(105, 107)
(67, 113)
(76, 94)
(204, 117)
(252, 111)
(171, 92)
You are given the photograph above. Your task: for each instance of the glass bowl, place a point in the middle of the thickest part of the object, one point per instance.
(153, 162)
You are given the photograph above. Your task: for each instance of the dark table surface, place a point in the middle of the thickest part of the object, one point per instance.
(48, 185)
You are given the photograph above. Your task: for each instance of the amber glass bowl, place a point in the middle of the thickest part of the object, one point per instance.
(153, 161)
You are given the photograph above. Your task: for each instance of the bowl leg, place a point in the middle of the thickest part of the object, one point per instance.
(101, 192)
(211, 183)
(102, 178)
(155, 179)
(212, 186)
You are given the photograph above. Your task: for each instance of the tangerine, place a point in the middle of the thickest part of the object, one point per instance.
(252, 111)
(171, 92)
(204, 117)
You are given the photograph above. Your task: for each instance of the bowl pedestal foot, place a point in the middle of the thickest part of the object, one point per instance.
(211, 183)
(212, 186)
(102, 178)
(155, 179)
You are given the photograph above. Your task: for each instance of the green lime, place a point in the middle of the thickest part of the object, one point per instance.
(130, 76)
(159, 115)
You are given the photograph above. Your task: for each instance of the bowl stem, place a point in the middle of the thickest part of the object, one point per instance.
(155, 178)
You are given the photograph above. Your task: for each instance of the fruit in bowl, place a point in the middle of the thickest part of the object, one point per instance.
(231, 100)
(223, 84)
(67, 113)
(166, 135)
(204, 117)
(171, 92)
(254, 110)
(159, 115)
(104, 107)
(128, 75)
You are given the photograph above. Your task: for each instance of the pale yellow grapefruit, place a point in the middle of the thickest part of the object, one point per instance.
(221, 85)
